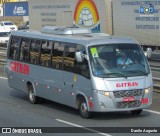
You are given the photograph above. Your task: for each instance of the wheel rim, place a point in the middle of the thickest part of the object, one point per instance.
(31, 95)
(84, 109)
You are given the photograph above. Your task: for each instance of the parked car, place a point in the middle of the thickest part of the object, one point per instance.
(8, 25)
(4, 37)
(25, 26)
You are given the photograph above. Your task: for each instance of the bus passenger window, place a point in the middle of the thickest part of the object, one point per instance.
(57, 55)
(34, 51)
(14, 48)
(69, 57)
(45, 59)
(24, 50)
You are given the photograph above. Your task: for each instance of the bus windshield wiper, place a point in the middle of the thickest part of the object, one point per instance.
(140, 71)
(115, 74)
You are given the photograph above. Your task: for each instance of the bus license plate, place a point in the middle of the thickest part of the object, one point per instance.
(129, 99)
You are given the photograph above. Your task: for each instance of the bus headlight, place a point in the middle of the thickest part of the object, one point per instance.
(147, 90)
(105, 93)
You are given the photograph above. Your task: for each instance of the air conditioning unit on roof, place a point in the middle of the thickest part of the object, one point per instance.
(97, 35)
(65, 30)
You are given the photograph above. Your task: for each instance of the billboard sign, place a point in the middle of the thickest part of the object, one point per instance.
(16, 9)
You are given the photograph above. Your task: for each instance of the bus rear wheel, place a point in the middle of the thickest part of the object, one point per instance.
(136, 112)
(31, 95)
(83, 110)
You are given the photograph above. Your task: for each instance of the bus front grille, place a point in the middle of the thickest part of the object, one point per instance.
(127, 93)
(128, 104)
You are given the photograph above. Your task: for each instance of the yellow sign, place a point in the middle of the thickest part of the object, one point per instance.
(94, 52)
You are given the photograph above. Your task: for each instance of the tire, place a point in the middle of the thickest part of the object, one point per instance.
(83, 110)
(136, 112)
(32, 97)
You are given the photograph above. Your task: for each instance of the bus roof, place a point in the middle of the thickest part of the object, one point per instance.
(83, 39)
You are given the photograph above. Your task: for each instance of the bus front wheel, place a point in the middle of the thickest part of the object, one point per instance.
(31, 95)
(83, 110)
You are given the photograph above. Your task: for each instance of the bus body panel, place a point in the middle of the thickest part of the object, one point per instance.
(55, 85)
(15, 79)
(75, 85)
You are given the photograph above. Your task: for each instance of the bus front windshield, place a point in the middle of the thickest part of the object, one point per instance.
(118, 60)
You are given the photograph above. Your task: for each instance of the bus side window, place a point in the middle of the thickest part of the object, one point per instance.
(24, 50)
(14, 48)
(34, 51)
(45, 58)
(57, 55)
(82, 68)
(69, 57)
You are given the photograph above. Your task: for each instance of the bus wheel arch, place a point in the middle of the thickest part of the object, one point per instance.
(82, 106)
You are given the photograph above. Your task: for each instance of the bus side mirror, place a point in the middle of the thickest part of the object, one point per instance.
(79, 56)
(148, 53)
